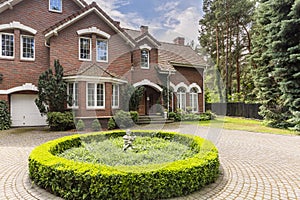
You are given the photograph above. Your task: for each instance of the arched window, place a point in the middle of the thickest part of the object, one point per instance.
(181, 98)
(194, 99)
(144, 59)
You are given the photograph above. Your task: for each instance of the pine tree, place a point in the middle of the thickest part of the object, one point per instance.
(52, 90)
(287, 62)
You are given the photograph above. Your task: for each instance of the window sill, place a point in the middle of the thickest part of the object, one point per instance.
(56, 11)
(27, 60)
(7, 58)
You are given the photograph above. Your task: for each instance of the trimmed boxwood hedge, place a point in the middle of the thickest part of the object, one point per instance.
(78, 180)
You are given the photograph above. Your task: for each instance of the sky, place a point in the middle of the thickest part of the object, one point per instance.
(166, 19)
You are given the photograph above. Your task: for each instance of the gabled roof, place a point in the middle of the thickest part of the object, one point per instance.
(53, 30)
(139, 36)
(170, 55)
(8, 4)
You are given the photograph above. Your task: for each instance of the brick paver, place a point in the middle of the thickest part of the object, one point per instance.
(253, 165)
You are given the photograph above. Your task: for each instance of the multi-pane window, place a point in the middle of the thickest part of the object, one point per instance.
(101, 50)
(95, 95)
(181, 98)
(145, 59)
(7, 45)
(85, 48)
(115, 96)
(194, 99)
(27, 47)
(73, 92)
(55, 5)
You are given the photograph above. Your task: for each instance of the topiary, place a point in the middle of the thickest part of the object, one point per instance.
(123, 119)
(5, 120)
(96, 125)
(80, 125)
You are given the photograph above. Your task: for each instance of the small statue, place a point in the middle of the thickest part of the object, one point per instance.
(128, 140)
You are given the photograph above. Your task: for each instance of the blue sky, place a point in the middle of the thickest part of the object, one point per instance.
(166, 19)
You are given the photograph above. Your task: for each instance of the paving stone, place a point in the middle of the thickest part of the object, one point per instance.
(253, 165)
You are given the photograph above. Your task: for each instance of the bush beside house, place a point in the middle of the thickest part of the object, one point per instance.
(5, 120)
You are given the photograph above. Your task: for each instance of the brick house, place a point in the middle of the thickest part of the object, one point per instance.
(98, 56)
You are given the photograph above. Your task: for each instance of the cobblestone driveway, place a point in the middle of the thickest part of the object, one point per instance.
(254, 165)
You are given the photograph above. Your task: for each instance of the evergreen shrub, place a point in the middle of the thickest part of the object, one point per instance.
(80, 125)
(60, 121)
(96, 125)
(5, 120)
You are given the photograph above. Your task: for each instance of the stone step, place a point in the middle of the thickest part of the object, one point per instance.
(153, 119)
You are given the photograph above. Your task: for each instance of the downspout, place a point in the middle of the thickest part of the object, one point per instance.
(168, 89)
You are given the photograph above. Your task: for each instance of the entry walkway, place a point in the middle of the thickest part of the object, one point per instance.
(254, 165)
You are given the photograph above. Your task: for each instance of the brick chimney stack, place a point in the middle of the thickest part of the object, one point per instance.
(144, 29)
(179, 40)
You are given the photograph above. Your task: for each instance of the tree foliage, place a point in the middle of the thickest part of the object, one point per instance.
(5, 120)
(224, 34)
(52, 90)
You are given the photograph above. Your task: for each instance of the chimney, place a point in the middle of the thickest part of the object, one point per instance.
(144, 29)
(179, 40)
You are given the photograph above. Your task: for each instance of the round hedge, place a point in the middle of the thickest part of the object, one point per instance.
(78, 180)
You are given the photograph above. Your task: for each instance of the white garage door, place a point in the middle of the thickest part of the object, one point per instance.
(24, 112)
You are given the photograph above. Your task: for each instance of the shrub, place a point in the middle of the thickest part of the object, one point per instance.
(171, 115)
(96, 125)
(79, 180)
(123, 119)
(58, 121)
(80, 126)
(111, 124)
(5, 120)
(134, 116)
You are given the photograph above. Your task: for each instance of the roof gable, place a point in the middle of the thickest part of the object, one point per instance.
(92, 8)
(138, 36)
(9, 4)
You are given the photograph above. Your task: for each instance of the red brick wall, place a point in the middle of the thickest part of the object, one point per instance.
(188, 76)
(35, 14)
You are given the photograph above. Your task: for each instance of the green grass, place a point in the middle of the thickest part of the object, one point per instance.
(236, 123)
(146, 151)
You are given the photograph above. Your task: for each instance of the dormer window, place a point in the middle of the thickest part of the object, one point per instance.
(85, 49)
(101, 50)
(55, 5)
(144, 59)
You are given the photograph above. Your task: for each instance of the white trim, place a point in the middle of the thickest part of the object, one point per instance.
(17, 25)
(68, 23)
(148, 59)
(73, 95)
(93, 30)
(149, 83)
(105, 61)
(57, 11)
(95, 96)
(24, 87)
(147, 37)
(21, 48)
(181, 84)
(84, 59)
(145, 46)
(172, 86)
(14, 46)
(195, 85)
(94, 79)
(112, 99)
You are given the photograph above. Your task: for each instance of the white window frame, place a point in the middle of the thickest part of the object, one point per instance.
(7, 57)
(53, 10)
(115, 96)
(79, 49)
(194, 98)
(181, 99)
(21, 47)
(74, 94)
(94, 96)
(97, 55)
(148, 60)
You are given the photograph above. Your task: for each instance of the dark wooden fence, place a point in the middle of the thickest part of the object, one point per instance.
(235, 109)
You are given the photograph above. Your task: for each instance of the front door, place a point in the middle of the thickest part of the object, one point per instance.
(148, 102)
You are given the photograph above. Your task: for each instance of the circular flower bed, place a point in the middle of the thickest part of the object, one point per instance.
(72, 179)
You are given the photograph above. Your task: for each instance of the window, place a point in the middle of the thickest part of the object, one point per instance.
(7, 45)
(55, 5)
(95, 95)
(73, 91)
(181, 98)
(145, 59)
(194, 99)
(27, 47)
(101, 50)
(84, 48)
(115, 96)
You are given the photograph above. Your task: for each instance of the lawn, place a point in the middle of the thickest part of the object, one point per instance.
(243, 124)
